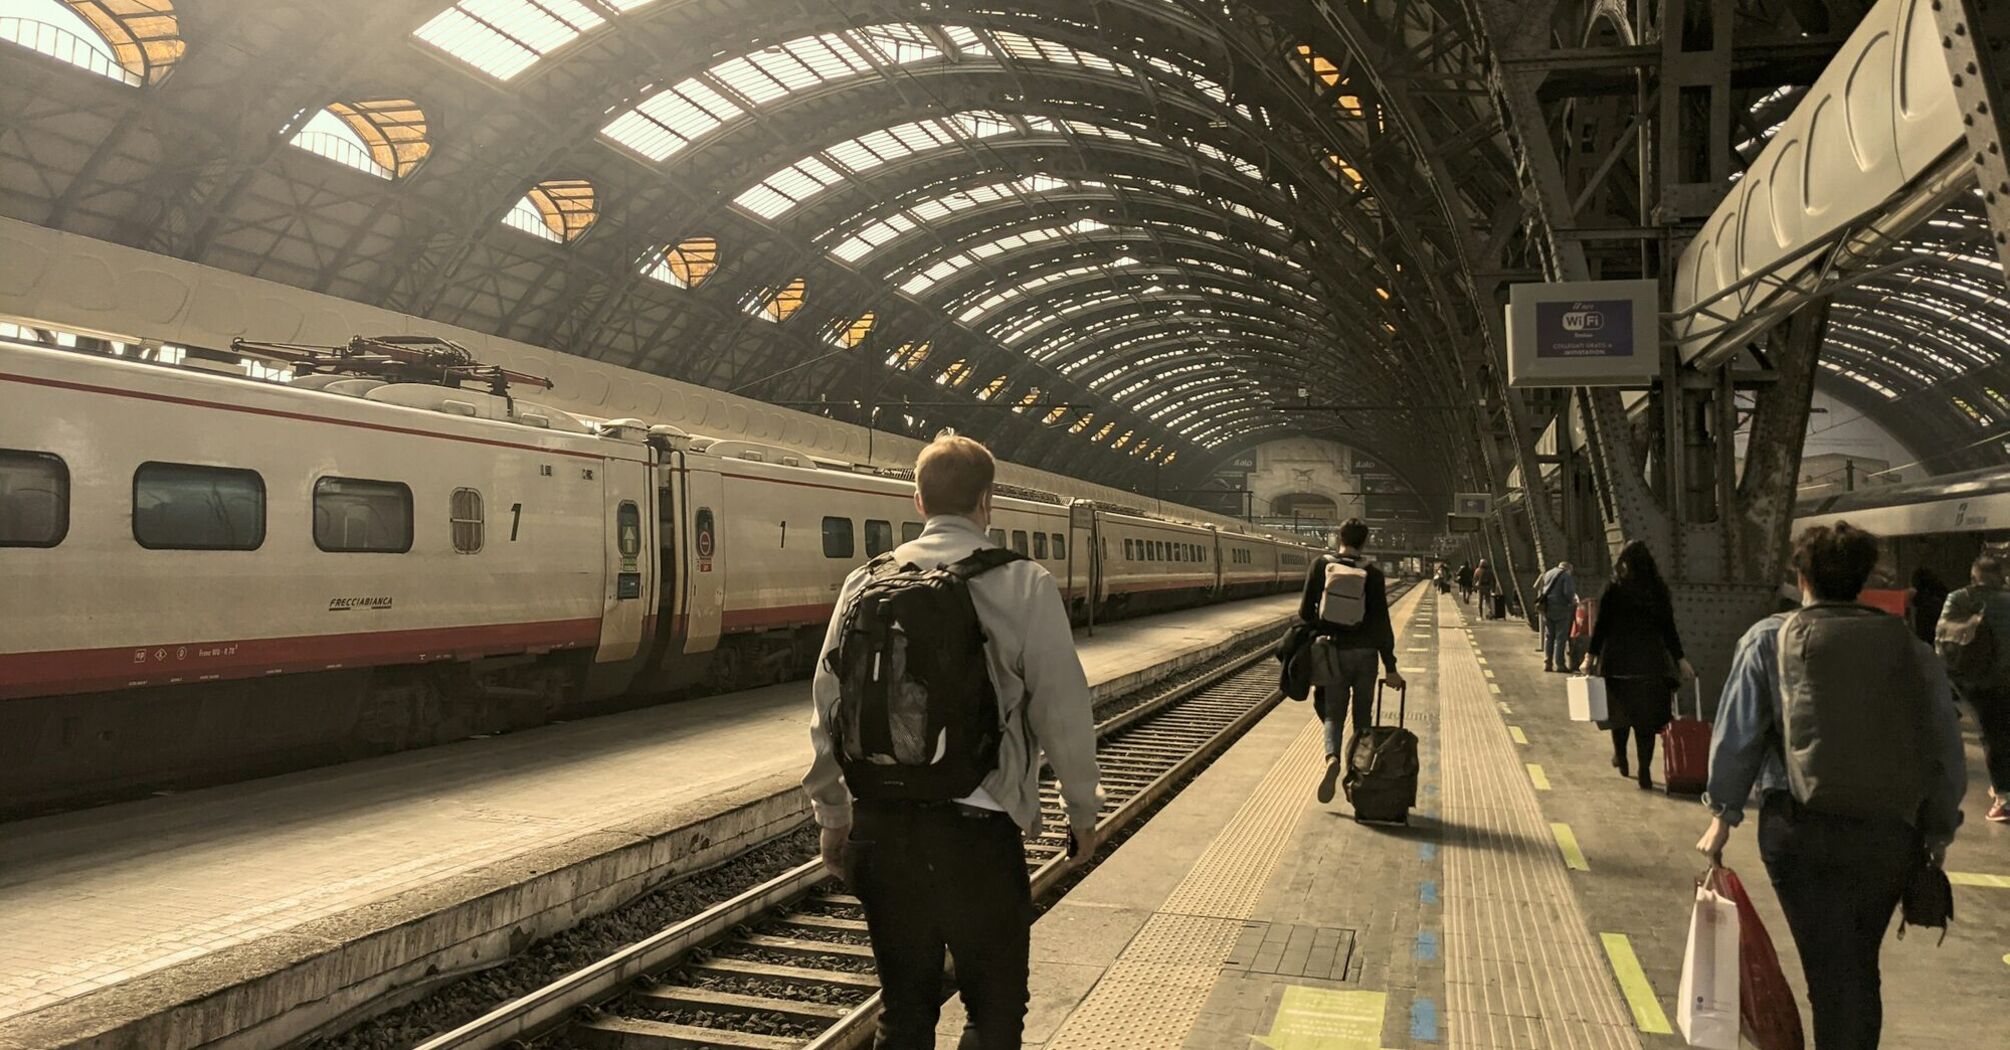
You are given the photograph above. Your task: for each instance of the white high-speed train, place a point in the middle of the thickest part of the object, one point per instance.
(211, 576)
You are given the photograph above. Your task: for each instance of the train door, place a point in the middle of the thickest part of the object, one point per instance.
(629, 545)
(705, 587)
(1213, 549)
(672, 569)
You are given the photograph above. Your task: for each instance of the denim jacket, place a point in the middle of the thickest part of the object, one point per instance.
(1745, 757)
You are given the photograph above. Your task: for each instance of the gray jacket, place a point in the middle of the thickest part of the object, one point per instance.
(1043, 696)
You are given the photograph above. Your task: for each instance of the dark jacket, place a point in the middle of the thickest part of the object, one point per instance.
(1294, 675)
(1635, 635)
(1373, 632)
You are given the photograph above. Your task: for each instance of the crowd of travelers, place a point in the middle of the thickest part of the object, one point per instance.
(949, 674)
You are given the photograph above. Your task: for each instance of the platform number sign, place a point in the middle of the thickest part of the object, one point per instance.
(702, 526)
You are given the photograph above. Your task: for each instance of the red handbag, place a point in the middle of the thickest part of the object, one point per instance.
(1768, 1014)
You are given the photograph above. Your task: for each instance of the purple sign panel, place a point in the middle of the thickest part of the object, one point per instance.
(1599, 328)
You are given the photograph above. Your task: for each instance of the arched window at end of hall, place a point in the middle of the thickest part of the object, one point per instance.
(137, 42)
(385, 137)
(685, 264)
(557, 210)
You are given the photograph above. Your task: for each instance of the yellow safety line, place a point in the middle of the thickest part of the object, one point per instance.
(1489, 672)
(1482, 660)
(1970, 878)
(1519, 736)
(1494, 687)
(1647, 1013)
(1505, 709)
(1537, 777)
(1573, 857)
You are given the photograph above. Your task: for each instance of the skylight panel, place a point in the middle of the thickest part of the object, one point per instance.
(871, 236)
(505, 37)
(669, 120)
(770, 198)
(901, 43)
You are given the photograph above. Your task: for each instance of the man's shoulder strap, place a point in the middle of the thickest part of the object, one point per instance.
(979, 562)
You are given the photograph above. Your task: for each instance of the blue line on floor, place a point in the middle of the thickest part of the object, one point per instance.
(1427, 851)
(1430, 789)
(1424, 1019)
(1427, 945)
(1427, 891)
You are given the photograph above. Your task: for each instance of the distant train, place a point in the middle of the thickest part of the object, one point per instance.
(209, 575)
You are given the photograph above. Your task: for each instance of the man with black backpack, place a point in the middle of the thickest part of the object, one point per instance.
(1973, 637)
(1346, 605)
(1556, 599)
(947, 670)
(1841, 723)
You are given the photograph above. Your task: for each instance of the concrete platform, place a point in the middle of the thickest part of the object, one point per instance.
(1247, 914)
(248, 914)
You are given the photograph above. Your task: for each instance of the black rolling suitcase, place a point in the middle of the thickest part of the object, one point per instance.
(1382, 765)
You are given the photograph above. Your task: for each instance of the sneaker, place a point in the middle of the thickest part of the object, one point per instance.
(1331, 778)
(1547, 667)
(2000, 812)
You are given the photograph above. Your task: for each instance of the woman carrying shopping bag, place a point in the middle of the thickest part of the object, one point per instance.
(1637, 650)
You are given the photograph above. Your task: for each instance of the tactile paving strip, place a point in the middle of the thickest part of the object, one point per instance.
(1522, 971)
(1151, 996)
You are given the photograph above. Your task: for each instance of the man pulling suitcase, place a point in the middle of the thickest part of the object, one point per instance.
(1382, 766)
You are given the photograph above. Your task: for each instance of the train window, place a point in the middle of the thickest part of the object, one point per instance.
(1159, 548)
(188, 508)
(1128, 552)
(997, 537)
(838, 541)
(910, 531)
(878, 538)
(1040, 546)
(354, 516)
(465, 511)
(1060, 547)
(1019, 541)
(34, 499)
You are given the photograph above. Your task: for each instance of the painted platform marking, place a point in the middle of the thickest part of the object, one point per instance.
(1424, 1019)
(1427, 892)
(1494, 687)
(1427, 851)
(1426, 949)
(1324, 1019)
(1566, 840)
(1537, 777)
(1482, 660)
(1970, 878)
(1519, 736)
(1647, 1014)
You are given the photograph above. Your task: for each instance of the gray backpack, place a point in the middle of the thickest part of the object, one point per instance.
(1853, 697)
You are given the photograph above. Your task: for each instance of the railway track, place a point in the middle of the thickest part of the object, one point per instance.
(786, 966)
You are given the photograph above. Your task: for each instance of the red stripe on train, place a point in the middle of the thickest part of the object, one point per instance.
(168, 663)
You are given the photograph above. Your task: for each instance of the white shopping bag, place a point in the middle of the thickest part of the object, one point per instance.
(1587, 698)
(1707, 1010)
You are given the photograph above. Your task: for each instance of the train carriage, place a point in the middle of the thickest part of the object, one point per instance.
(213, 576)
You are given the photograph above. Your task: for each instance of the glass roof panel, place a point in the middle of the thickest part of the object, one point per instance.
(505, 37)
(772, 197)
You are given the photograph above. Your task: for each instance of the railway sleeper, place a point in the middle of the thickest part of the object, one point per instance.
(628, 1033)
(740, 1004)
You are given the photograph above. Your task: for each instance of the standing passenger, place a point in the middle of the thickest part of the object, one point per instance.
(1556, 598)
(1635, 647)
(1486, 585)
(1842, 724)
(1928, 597)
(1466, 581)
(949, 872)
(1989, 693)
(1345, 654)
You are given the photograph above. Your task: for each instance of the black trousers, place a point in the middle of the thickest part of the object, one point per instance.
(935, 878)
(1839, 880)
(1992, 716)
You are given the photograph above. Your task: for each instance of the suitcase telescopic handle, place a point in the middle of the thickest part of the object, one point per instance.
(1402, 702)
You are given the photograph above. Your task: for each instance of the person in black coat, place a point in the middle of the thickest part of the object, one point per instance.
(1637, 650)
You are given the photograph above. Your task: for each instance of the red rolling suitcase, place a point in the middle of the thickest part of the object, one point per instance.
(1685, 749)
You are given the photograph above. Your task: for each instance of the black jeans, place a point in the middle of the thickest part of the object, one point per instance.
(936, 877)
(1992, 717)
(1839, 880)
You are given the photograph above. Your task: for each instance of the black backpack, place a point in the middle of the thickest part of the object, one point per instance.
(917, 713)
(1967, 645)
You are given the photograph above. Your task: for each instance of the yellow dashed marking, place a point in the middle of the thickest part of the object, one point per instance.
(1647, 1013)
(1519, 736)
(1482, 660)
(1494, 688)
(1505, 709)
(1537, 777)
(1566, 840)
(1969, 878)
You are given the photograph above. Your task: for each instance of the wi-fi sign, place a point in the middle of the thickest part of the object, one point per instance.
(1583, 321)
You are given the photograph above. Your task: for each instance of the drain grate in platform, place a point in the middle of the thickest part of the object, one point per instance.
(1289, 950)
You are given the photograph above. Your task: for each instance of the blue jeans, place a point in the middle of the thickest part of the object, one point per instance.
(1556, 641)
(1353, 695)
